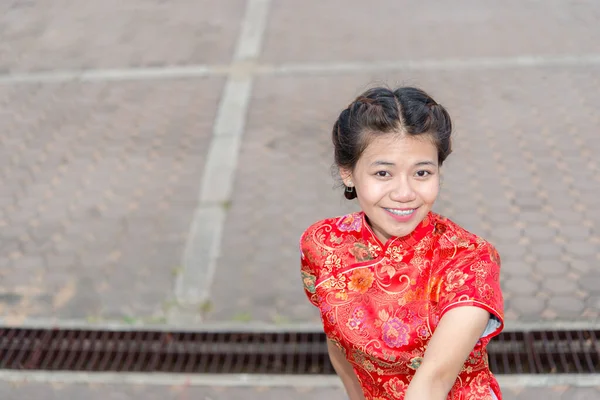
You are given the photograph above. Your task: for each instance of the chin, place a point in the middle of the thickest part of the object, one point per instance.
(395, 231)
(406, 228)
(403, 232)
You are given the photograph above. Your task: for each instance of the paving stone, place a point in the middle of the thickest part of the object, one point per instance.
(521, 286)
(560, 285)
(98, 181)
(594, 302)
(101, 236)
(537, 393)
(583, 265)
(528, 305)
(506, 234)
(278, 101)
(539, 233)
(591, 282)
(513, 252)
(449, 30)
(575, 231)
(68, 35)
(581, 248)
(566, 306)
(546, 250)
(566, 214)
(510, 268)
(552, 267)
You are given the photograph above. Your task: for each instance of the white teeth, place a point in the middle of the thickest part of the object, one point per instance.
(400, 212)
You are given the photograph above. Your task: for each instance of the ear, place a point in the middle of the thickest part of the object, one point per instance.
(346, 176)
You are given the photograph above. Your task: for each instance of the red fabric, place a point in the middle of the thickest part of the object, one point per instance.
(380, 303)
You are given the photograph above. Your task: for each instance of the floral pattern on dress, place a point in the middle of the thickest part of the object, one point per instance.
(381, 302)
(350, 223)
(395, 333)
(361, 252)
(396, 388)
(361, 280)
(359, 317)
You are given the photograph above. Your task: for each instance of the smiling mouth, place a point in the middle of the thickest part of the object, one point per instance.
(401, 212)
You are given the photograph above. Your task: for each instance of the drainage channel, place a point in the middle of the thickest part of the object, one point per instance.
(277, 353)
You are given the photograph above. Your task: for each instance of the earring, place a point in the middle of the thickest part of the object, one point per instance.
(349, 189)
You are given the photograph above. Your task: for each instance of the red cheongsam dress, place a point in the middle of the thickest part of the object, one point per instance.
(380, 303)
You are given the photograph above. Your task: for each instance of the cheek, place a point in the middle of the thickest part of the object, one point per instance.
(370, 191)
(429, 192)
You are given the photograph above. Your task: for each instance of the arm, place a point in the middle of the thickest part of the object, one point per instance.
(453, 340)
(345, 372)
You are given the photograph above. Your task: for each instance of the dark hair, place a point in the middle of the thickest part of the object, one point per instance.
(379, 111)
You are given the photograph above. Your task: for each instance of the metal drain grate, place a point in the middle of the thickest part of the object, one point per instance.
(549, 352)
(545, 352)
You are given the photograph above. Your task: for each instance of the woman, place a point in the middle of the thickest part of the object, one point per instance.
(408, 299)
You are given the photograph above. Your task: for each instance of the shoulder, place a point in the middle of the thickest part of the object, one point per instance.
(319, 233)
(322, 237)
(467, 272)
(455, 243)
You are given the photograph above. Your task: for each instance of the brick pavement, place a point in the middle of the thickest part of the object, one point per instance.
(523, 174)
(99, 181)
(391, 30)
(99, 185)
(89, 181)
(70, 34)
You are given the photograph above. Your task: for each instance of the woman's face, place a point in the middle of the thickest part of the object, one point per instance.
(396, 181)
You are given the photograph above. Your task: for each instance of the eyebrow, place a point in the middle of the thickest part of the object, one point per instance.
(391, 164)
(385, 163)
(427, 163)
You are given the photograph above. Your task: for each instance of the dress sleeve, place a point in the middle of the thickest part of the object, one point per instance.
(308, 273)
(473, 279)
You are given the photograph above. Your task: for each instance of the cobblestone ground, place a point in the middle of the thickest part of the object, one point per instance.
(99, 178)
(523, 174)
(98, 188)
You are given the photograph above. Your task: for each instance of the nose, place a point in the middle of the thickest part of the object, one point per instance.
(403, 192)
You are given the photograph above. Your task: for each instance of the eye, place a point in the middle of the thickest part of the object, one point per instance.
(423, 173)
(382, 174)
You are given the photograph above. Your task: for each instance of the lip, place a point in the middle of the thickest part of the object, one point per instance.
(401, 218)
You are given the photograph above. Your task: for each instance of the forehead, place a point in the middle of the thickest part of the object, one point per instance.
(399, 148)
